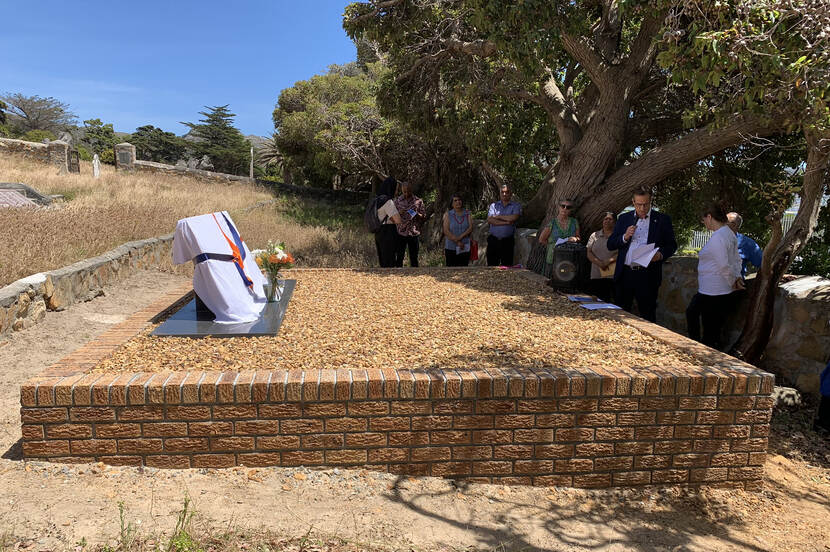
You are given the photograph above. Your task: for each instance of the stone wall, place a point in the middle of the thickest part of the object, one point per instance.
(55, 153)
(24, 303)
(800, 344)
(149, 166)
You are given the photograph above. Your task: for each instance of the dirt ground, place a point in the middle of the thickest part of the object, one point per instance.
(55, 507)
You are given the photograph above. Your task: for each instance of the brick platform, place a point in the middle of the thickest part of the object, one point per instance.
(583, 428)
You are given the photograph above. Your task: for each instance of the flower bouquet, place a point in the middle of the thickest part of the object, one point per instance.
(271, 260)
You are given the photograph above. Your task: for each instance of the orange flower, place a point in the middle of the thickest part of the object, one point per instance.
(289, 258)
(259, 261)
(273, 259)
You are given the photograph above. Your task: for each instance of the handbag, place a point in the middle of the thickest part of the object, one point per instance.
(473, 250)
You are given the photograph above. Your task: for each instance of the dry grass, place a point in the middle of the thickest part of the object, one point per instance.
(119, 207)
(413, 319)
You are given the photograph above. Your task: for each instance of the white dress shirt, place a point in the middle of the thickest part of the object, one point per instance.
(719, 263)
(639, 238)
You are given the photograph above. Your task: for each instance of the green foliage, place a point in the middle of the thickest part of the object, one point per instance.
(107, 156)
(814, 259)
(767, 58)
(182, 541)
(154, 144)
(83, 153)
(99, 136)
(318, 119)
(753, 180)
(127, 533)
(35, 113)
(38, 136)
(3, 108)
(216, 137)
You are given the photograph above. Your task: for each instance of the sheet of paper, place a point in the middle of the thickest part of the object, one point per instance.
(560, 241)
(607, 272)
(463, 248)
(642, 255)
(597, 306)
(580, 298)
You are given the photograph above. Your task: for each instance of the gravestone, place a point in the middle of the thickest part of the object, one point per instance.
(96, 166)
(190, 321)
(124, 157)
(13, 198)
(74, 161)
(59, 155)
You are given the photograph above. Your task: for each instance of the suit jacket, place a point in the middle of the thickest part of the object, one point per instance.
(660, 233)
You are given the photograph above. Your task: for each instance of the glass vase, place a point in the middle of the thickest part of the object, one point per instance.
(272, 293)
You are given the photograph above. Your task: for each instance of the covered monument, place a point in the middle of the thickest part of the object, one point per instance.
(226, 277)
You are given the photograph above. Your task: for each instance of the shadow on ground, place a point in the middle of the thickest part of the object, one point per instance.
(649, 520)
(15, 452)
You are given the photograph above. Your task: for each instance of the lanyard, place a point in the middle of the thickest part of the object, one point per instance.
(237, 249)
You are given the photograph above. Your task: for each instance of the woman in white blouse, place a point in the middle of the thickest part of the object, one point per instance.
(718, 275)
(386, 238)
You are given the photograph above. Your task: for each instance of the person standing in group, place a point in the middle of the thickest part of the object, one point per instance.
(718, 275)
(386, 238)
(748, 249)
(458, 226)
(502, 216)
(602, 260)
(412, 213)
(562, 227)
(644, 239)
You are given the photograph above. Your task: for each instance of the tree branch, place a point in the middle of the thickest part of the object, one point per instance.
(585, 55)
(643, 50)
(480, 48)
(662, 161)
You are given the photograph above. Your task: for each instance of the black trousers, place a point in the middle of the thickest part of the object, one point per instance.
(404, 243)
(642, 285)
(712, 309)
(500, 251)
(456, 259)
(386, 241)
(823, 415)
(603, 288)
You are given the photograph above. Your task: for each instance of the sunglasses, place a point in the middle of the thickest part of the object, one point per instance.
(566, 206)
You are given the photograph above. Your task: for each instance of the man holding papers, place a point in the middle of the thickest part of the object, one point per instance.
(644, 238)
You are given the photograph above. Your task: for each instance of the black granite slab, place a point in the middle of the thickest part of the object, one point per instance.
(188, 322)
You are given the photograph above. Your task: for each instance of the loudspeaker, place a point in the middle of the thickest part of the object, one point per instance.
(571, 267)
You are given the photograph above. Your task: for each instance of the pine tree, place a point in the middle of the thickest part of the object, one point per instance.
(217, 138)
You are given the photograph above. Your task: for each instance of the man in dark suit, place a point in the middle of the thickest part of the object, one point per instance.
(633, 230)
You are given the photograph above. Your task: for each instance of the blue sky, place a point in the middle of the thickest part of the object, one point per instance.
(158, 63)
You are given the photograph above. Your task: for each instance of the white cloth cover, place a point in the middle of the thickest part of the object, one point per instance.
(218, 282)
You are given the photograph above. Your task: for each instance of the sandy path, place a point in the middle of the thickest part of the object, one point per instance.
(51, 507)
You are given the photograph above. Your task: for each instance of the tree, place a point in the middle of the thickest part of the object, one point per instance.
(329, 128)
(38, 136)
(154, 144)
(36, 113)
(217, 138)
(3, 108)
(591, 69)
(98, 136)
(763, 58)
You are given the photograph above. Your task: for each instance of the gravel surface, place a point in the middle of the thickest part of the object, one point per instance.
(413, 319)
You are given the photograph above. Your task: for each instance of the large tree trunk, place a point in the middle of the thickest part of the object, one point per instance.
(780, 252)
(584, 176)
